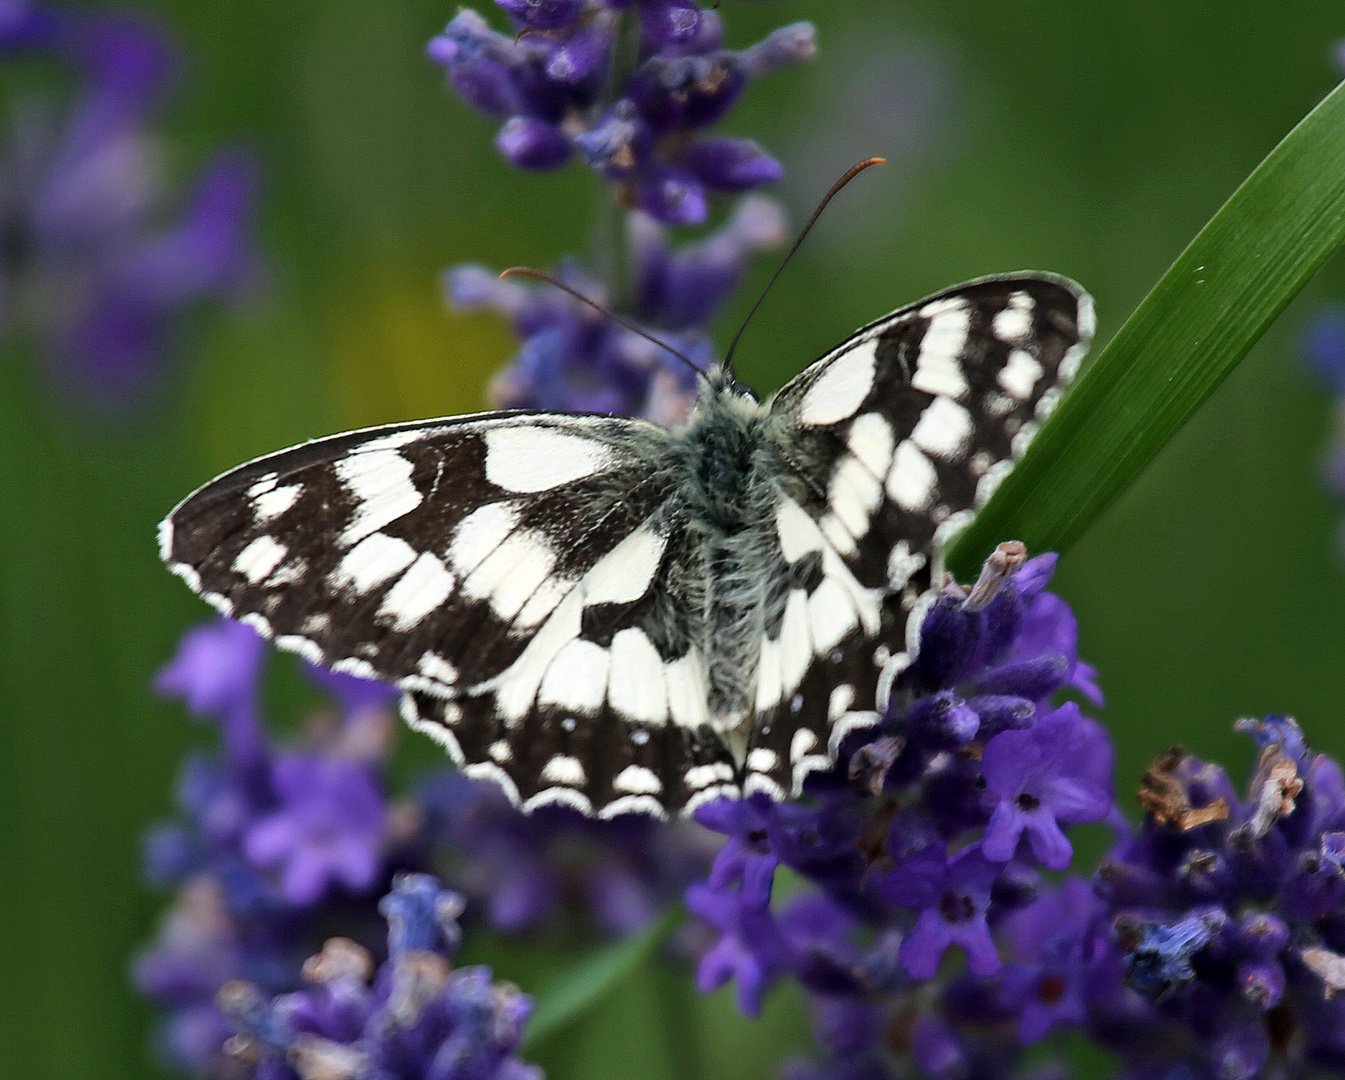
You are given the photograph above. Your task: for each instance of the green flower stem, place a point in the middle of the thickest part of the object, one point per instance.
(584, 986)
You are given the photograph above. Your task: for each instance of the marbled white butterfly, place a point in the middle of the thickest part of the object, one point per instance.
(597, 611)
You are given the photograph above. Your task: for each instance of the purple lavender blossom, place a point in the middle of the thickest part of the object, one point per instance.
(327, 831)
(548, 84)
(100, 266)
(952, 895)
(575, 359)
(915, 835)
(1228, 911)
(415, 1016)
(554, 865)
(561, 92)
(277, 844)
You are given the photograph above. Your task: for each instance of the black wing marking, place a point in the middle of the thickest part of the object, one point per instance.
(893, 440)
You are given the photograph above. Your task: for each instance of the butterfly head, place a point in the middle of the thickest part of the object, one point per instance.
(717, 381)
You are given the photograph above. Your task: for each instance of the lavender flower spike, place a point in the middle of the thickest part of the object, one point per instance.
(644, 134)
(415, 1016)
(102, 266)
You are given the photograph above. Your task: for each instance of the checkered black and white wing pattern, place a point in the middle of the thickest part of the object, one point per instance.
(511, 572)
(891, 442)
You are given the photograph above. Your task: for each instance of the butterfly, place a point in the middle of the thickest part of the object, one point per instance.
(601, 612)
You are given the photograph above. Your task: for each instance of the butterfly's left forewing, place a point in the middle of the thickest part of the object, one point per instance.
(888, 446)
(514, 573)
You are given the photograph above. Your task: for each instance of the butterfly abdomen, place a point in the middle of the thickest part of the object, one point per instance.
(730, 496)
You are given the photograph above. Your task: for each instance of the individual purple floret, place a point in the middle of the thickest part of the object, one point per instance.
(101, 260)
(415, 1017)
(574, 358)
(641, 128)
(1057, 772)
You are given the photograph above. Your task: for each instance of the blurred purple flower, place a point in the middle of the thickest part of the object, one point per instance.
(575, 359)
(328, 829)
(275, 844)
(415, 1016)
(96, 270)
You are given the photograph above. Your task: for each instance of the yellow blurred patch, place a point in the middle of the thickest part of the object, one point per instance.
(399, 353)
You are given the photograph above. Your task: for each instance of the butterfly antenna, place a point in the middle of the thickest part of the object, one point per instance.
(850, 174)
(542, 275)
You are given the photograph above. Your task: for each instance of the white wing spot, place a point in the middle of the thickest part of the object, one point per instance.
(803, 741)
(796, 648)
(901, 564)
(845, 382)
(838, 536)
(687, 692)
(912, 480)
(830, 615)
(625, 573)
(480, 533)
(637, 780)
(636, 686)
(269, 505)
(944, 429)
(501, 751)
(872, 441)
(842, 697)
(371, 562)
(511, 574)
(426, 585)
(798, 532)
(433, 666)
(256, 561)
(768, 676)
(406, 436)
(1013, 324)
(563, 769)
(939, 367)
(543, 602)
(516, 686)
(763, 760)
(853, 494)
(702, 776)
(576, 678)
(530, 459)
(380, 481)
(1020, 374)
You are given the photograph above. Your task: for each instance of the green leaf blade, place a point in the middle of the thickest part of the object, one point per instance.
(586, 984)
(1183, 340)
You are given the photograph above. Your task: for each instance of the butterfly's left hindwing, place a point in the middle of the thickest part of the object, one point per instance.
(891, 441)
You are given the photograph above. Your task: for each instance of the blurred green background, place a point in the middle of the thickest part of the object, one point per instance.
(1089, 138)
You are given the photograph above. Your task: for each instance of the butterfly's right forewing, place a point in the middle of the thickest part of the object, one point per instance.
(891, 442)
